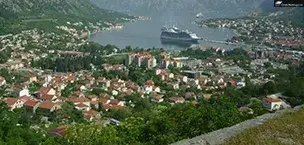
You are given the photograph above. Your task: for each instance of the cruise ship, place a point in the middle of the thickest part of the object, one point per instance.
(174, 34)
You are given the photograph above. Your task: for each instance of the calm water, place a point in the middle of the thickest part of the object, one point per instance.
(146, 34)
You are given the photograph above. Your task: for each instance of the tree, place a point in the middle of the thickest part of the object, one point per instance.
(67, 114)
(131, 130)
(81, 134)
(269, 88)
(258, 108)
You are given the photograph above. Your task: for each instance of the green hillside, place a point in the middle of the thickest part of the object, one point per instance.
(21, 14)
(288, 129)
(294, 15)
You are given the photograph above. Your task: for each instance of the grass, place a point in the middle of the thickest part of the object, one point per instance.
(286, 130)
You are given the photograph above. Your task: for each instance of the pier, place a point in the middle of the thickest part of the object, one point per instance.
(217, 41)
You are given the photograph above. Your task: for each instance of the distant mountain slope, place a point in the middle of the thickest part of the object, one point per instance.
(77, 9)
(16, 15)
(295, 15)
(222, 7)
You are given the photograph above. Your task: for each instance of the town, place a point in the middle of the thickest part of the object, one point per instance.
(162, 77)
(59, 87)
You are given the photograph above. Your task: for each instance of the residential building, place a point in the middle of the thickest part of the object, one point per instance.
(144, 59)
(272, 104)
(2, 81)
(48, 107)
(14, 103)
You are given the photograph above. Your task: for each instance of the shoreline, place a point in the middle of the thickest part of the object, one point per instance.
(117, 26)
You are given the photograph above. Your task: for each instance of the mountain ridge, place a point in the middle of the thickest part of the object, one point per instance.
(225, 8)
(14, 12)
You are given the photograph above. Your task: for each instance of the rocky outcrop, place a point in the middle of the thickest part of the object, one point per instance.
(219, 136)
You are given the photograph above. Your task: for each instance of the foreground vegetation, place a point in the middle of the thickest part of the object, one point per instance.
(288, 129)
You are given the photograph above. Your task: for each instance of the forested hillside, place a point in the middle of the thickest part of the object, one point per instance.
(14, 13)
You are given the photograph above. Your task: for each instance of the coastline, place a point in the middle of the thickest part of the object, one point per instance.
(117, 26)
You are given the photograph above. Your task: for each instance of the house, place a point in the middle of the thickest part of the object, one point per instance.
(272, 104)
(103, 82)
(157, 98)
(182, 78)
(171, 75)
(77, 100)
(207, 96)
(91, 115)
(174, 85)
(177, 100)
(93, 97)
(218, 79)
(82, 106)
(31, 105)
(2, 81)
(15, 64)
(32, 79)
(107, 67)
(48, 107)
(14, 103)
(112, 107)
(118, 67)
(59, 131)
(104, 101)
(47, 91)
(116, 102)
(46, 97)
(24, 92)
(24, 98)
(203, 80)
(241, 84)
(156, 89)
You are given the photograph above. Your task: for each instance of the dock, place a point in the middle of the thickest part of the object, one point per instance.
(217, 41)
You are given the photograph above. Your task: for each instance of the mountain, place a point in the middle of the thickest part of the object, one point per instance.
(224, 8)
(56, 11)
(83, 9)
(294, 15)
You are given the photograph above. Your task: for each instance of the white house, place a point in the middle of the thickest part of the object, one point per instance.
(157, 98)
(24, 92)
(272, 104)
(2, 81)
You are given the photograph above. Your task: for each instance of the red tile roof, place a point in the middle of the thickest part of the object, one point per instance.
(47, 97)
(81, 105)
(269, 99)
(77, 99)
(47, 105)
(60, 131)
(150, 82)
(30, 103)
(114, 102)
(91, 112)
(103, 100)
(11, 101)
(44, 90)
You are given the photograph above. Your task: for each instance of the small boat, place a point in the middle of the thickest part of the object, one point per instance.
(198, 15)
